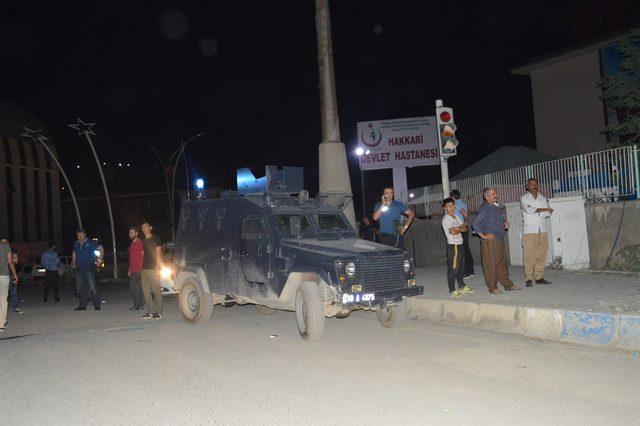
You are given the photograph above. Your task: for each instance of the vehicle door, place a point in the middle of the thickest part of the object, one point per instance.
(255, 249)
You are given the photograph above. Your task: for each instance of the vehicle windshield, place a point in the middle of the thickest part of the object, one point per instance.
(283, 219)
(331, 222)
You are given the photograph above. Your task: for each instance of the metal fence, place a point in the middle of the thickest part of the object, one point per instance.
(600, 177)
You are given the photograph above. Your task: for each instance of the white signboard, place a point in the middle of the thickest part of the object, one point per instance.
(403, 142)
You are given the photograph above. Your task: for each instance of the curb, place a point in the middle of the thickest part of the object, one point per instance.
(619, 331)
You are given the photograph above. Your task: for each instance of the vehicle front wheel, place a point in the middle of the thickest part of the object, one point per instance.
(196, 305)
(309, 311)
(394, 315)
(265, 311)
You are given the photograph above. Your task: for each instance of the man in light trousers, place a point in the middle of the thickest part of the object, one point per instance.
(6, 266)
(535, 212)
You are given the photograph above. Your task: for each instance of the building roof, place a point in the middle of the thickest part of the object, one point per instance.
(504, 158)
(570, 52)
(13, 119)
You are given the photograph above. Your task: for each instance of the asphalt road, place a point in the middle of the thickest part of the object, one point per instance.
(58, 366)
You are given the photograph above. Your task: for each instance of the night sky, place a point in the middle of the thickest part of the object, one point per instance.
(246, 74)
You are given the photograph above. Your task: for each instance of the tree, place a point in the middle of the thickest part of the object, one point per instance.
(621, 92)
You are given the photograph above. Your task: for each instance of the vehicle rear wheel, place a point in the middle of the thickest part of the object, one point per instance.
(392, 316)
(265, 311)
(196, 305)
(309, 311)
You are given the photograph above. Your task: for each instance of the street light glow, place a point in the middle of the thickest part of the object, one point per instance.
(359, 151)
(200, 183)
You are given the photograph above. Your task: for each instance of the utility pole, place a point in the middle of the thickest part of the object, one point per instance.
(334, 170)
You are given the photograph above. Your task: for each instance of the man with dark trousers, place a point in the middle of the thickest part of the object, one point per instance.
(389, 212)
(462, 212)
(50, 261)
(136, 254)
(83, 261)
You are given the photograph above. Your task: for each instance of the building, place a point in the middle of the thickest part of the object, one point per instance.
(30, 190)
(569, 116)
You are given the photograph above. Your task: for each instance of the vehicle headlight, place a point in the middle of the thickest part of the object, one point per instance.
(407, 265)
(350, 269)
(165, 272)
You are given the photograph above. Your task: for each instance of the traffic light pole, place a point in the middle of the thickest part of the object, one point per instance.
(444, 166)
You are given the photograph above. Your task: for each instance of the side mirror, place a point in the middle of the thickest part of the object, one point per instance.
(294, 226)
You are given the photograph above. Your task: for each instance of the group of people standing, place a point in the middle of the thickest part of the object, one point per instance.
(145, 263)
(491, 225)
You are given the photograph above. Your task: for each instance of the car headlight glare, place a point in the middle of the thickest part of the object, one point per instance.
(350, 269)
(165, 272)
(407, 265)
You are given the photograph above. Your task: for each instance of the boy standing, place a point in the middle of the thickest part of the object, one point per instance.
(453, 228)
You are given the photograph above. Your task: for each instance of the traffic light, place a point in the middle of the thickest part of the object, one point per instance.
(446, 131)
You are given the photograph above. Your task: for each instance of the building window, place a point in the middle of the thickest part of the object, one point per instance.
(49, 205)
(36, 204)
(7, 150)
(23, 202)
(11, 189)
(34, 154)
(23, 160)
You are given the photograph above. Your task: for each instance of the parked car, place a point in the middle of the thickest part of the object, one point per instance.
(30, 273)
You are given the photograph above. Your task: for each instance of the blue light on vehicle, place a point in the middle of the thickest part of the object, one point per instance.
(200, 183)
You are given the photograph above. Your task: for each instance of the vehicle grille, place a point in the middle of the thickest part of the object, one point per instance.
(383, 272)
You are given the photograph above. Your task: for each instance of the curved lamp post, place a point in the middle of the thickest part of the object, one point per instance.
(85, 129)
(37, 136)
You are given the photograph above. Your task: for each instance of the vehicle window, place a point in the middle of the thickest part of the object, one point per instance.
(252, 228)
(330, 222)
(282, 221)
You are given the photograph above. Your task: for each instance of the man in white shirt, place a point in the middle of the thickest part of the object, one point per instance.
(453, 228)
(535, 212)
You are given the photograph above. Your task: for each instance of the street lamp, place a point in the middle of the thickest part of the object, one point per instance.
(179, 152)
(36, 136)
(85, 129)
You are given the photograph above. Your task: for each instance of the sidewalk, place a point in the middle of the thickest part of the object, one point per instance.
(580, 307)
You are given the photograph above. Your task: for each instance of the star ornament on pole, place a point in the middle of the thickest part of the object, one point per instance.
(84, 129)
(34, 135)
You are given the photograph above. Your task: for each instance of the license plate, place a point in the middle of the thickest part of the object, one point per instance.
(358, 298)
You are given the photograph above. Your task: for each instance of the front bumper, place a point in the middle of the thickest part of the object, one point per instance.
(383, 297)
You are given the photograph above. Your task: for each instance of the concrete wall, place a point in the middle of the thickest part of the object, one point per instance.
(569, 116)
(602, 225)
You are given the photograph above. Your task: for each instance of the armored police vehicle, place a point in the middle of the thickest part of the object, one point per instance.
(271, 245)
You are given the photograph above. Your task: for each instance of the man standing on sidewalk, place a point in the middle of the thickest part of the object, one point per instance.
(14, 297)
(151, 266)
(83, 260)
(490, 226)
(535, 211)
(6, 266)
(389, 212)
(136, 253)
(453, 228)
(462, 212)
(51, 263)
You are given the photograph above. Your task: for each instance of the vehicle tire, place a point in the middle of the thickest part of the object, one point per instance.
(196, 305)
(265, 311)
(393, 316)
(309, 309)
